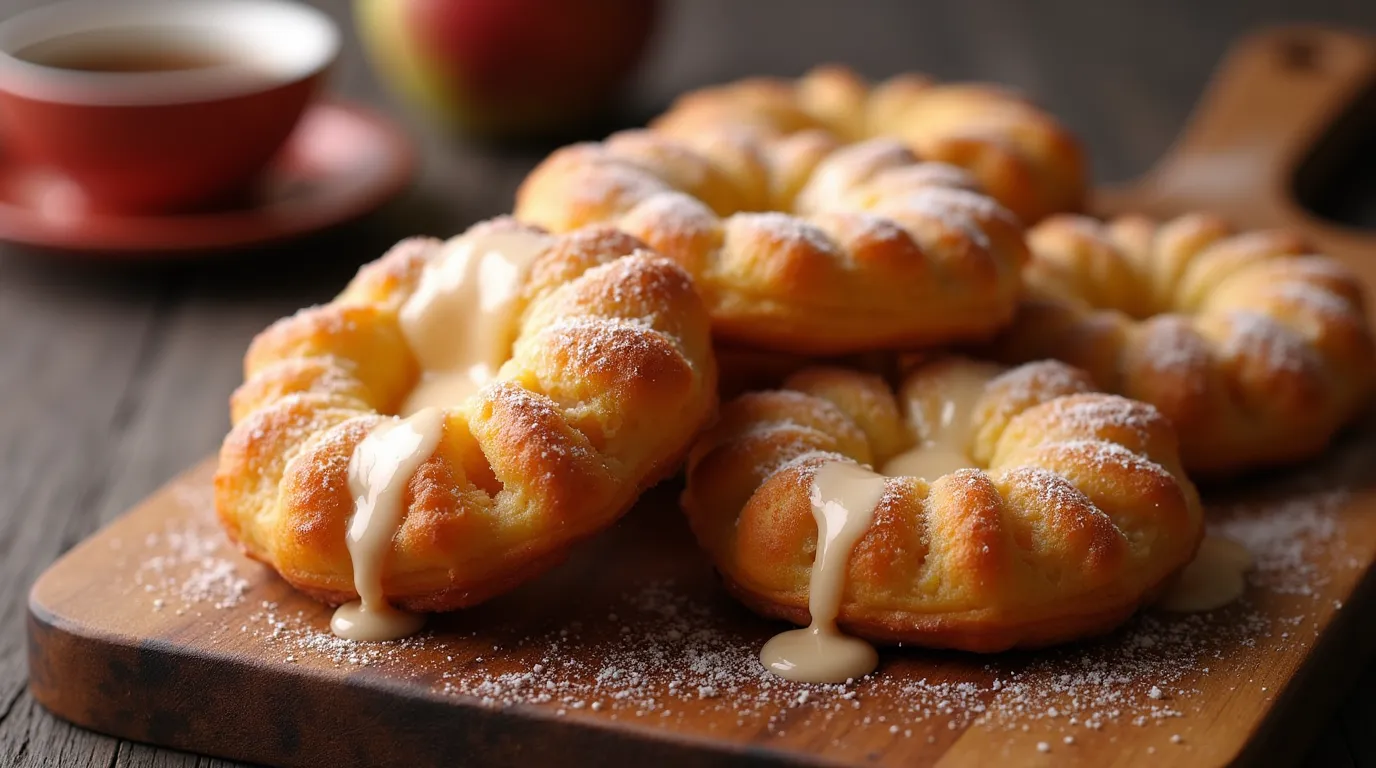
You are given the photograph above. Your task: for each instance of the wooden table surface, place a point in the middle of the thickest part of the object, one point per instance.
(114, 378)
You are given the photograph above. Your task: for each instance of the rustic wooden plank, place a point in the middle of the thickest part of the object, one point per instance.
(1124, 77)
(33, 737)
(157, 630)
(133, 755)
(70, 348)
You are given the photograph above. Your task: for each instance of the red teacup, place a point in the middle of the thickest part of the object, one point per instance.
(153, 106)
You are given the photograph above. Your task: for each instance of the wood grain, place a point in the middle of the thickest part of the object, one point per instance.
(118, 643)
(112, 380)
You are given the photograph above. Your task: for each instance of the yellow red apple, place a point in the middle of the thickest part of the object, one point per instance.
(504, 67)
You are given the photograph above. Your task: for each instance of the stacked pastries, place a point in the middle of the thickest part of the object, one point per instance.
(1022, 156)
(782, 234)
(818, 217)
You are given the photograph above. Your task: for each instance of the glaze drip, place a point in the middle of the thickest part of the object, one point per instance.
(945, 428)
(461, 320)
(844, 497)
(380, 470)
(1215, 578)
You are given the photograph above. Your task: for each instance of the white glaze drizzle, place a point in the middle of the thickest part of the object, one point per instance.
(380, 470)
(1215, 578)
(460, 322)
(944, 432)
(844, 497)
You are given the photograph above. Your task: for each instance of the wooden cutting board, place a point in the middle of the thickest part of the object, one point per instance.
(156, 630)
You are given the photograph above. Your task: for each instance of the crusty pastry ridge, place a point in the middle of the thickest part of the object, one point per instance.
(1077, 513)
(798, 243)
(610, 376)
(1021, 155)
(1257, 349)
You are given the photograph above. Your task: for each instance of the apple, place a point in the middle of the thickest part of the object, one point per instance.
(507, 67)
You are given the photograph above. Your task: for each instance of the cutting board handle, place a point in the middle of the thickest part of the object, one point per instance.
(1277, 93)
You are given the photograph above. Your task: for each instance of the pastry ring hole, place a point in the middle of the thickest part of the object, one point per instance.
(940, 407)
(928, 461)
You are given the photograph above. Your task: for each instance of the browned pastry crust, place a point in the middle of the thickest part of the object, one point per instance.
(610, 376)
(1021, 155)
(796, 243)
(1256, 349)
(1077, 514)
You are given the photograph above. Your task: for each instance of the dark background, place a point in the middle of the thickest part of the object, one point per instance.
(113, 378)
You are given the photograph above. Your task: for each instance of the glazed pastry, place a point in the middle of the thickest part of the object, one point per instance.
(544, 382)
(1015, 508)
(1020, 154)
(798, 244)
(1255, 348)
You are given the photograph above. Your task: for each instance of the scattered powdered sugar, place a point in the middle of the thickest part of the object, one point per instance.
(926, 174)
(847, 168)
(1274, 346)
(1053, 491)
(786, 441)
(1103, 456)
(678, 651)
(673, 217)
(665, 651)
(191, 568)
(1094, 414)
(1039, 381)
(780, 228)
(606, 344)
(298, 638)
(672, 655)
(869, 229)
(605, 184)
(954, 207)
(1169, 345)
(1325, 304)
(1282, 536)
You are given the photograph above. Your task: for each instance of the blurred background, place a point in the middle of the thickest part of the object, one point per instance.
(114, 374)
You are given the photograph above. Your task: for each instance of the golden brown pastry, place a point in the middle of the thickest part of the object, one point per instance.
(605, 374)
(798, 244)
(1022, 507)
(1024, 158)
(1256, 349)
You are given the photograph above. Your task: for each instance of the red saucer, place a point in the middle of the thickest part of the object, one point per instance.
(343, 161)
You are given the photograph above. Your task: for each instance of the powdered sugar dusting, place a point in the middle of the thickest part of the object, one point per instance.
(783, 228)
(1106, 456)
(194, 566)
(1169, 345)
(926, 174)
(1096, 414)
(1053, 491)
(1274, 346)
(1039, 381)
(1321, 304)
(673, 652)
(954, 207)
(1281, 536)
(666, 647)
